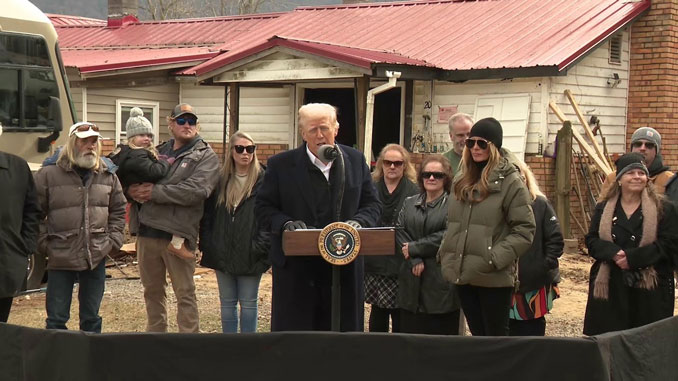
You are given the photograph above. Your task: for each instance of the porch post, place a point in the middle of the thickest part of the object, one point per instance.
(361, 85)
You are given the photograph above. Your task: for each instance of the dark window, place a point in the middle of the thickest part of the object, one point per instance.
(28, 89)
(615, 49)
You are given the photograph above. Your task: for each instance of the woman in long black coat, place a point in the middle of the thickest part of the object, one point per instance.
(632, 236)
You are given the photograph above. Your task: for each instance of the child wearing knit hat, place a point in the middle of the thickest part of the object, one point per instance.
(138, 162)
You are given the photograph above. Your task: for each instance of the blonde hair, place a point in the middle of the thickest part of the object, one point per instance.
(150, 148)
(68, 153)
(472, 180)
(309, 109)
(529, 179)
(229, 194)
(408, 169)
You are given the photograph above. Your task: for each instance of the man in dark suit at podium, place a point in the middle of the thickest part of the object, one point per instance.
(301, 191)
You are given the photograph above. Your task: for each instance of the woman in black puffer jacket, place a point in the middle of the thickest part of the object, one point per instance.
(230, 240)
(538, 272)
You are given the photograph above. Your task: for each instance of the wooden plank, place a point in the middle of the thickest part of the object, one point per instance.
(234, 109)
(372, 242)
(587, 130)
(563, 182)
(580, 140)
(362, 85)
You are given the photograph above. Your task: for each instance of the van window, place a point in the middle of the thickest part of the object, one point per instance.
(28, 88)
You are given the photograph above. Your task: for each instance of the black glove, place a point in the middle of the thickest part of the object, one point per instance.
(354, 223)
(291, 226)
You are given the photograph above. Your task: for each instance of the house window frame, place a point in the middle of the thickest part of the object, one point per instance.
(120, 103)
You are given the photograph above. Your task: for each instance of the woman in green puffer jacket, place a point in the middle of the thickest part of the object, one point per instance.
(489, 225)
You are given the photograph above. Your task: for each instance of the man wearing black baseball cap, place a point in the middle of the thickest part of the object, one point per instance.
(168, 218)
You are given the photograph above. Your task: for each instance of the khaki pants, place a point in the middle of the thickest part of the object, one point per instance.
(154, 262)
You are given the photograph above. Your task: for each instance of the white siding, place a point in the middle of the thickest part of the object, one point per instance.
(465, 95)
(267, 113)
(208, 102)
(76, 95)
(588, 83)
(587, 80)
(101, 105)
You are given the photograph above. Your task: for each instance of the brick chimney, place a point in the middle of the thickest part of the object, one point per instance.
(653, 84)
(122, 12)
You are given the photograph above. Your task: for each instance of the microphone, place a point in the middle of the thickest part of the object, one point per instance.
(328, 152)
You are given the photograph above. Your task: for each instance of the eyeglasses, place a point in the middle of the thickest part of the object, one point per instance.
(648, 145)
(395, 163)
(249, 149)
(472, 142)
(181, 121)
(436, 175)
(83, 127)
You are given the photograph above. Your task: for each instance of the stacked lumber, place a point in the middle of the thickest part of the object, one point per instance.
(589, 165)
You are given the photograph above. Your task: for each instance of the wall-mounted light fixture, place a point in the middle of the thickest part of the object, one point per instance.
(613, 80)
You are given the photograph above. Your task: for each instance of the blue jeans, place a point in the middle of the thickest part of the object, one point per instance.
(60, 291)
(234, 289)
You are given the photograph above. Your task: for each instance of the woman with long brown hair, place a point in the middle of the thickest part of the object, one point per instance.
(230, 239)
(490, 224)
(394, 178)
(632, 236)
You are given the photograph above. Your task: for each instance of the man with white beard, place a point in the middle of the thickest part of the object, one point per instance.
(84, 206)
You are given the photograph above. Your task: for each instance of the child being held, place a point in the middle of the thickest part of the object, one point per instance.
(139, 162)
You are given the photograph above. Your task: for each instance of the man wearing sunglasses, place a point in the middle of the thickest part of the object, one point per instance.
(646, 141)
(300, 191)
(173, 207)
(83, 207)
(460, 126)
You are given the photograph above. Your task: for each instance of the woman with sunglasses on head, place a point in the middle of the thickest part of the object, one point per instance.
(428, 304)
(633, 234)
(394, 178)
(490, 224)
(230, 239)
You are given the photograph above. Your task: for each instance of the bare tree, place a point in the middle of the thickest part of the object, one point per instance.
(168, 9)
(177, 9)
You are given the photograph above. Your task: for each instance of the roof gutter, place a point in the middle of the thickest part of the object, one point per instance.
(369, 111)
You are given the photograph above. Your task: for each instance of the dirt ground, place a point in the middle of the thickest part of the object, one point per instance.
(123, 308)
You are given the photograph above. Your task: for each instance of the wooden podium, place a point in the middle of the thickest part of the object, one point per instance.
(305, 242)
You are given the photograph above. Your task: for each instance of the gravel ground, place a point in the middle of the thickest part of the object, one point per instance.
(123, 308)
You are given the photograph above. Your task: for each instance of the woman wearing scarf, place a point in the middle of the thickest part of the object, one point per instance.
(394, 177)
(631, 282)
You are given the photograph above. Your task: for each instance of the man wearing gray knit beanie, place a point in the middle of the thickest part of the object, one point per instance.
(646, 141)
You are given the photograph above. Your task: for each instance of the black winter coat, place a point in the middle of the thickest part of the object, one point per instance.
(423, 226)
(138, 166)
(390, 264)
(19, 218)
(630, 307)
(538, 267)
(232, 242)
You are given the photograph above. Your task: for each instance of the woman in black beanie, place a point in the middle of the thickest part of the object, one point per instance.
(632, 236)
(489, 225)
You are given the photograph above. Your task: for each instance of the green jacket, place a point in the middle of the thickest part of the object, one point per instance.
(484, 240)
(454, 160)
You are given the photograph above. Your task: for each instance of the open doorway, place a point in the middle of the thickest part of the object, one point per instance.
(344, 101)
(386, 121)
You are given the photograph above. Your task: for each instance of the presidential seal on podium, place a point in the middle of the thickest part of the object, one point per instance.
(339, 243)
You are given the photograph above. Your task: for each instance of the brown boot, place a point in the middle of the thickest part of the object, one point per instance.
(181, 252)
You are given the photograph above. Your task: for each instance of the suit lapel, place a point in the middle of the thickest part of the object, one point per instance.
(301, 178)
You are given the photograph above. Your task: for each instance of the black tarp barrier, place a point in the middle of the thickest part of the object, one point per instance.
(36, 354)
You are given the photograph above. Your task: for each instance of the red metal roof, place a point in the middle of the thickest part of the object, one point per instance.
(94, 61)
(451, 34)
(65, 20)
(363, 58)
(92, 46)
